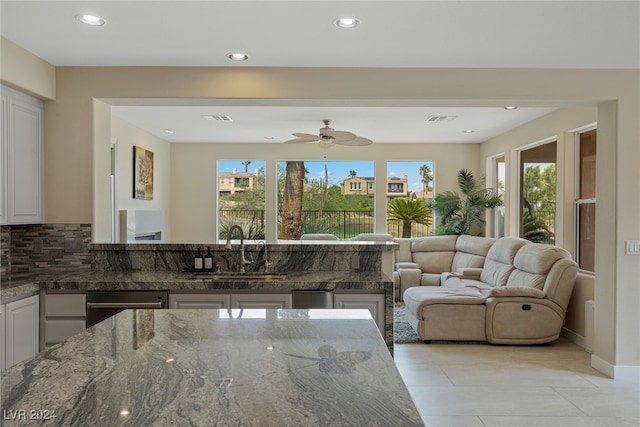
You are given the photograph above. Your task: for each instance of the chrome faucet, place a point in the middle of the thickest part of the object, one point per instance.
(264, 260)
(243, 261)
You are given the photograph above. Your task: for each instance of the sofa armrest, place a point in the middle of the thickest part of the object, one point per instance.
(469, 272)
(461, 273)
(514, 291)
(400, 265)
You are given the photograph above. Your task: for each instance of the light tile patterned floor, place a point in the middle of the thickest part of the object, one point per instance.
(484, 385)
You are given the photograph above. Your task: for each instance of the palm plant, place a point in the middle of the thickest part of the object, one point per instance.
(460, 215)
(407, 211)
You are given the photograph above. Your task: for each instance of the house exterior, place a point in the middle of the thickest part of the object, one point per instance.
(232, 182)
(357, 185)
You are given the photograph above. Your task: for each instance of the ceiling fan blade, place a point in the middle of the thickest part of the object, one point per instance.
(340, 135)
(308, 136)
(359, 141)
(326, 144)
(299, 140)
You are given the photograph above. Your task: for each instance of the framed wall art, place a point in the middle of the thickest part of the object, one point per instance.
(142, 173)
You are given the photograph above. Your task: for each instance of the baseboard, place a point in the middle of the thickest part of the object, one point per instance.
(618, 372)
(575, 338)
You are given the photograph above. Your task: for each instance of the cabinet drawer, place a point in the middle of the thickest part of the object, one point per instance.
(59, 330)
(194, 301)
(64, 305)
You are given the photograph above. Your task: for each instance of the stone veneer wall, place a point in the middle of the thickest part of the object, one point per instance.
(284, 257)
(54, 247)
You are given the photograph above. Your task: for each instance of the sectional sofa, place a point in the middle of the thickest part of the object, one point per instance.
(505, 291)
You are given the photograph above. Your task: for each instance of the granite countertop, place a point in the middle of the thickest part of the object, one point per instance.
(179, 281)
(215, 367)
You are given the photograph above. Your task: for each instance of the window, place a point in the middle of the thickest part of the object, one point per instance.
(412, 180)
(500, 178)
(538, 193)
(241, 197)
(333, 200)
(586, 201)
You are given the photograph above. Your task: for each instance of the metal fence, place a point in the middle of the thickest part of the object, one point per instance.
(342, 223)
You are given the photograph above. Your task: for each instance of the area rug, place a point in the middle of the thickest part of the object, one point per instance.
(403, 333)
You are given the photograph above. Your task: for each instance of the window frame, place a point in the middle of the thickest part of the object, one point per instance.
(579, 202)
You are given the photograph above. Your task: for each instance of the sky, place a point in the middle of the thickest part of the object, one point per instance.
(339, 170)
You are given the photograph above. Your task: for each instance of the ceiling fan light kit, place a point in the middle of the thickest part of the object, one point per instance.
(328, 137)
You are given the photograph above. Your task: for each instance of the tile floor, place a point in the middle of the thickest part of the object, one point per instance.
(482, 385)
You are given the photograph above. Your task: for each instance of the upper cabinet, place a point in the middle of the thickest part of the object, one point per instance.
(21, 157)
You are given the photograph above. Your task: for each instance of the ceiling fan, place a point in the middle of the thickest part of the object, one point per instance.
(328, 137)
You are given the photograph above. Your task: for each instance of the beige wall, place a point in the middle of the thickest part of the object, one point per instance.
(24, 71)
(194, 171)
(128, 136)
(70, 132)
(560, 125)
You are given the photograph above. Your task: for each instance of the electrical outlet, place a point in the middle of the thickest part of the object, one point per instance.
(135, 262)
(633, 247)
(37, 245)
(355, 262)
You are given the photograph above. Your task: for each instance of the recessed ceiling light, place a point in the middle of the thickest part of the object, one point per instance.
(510, 107)
(237, 56)
(469, 131)
(347, 22)
(269, 137)
(171, 131)
(90, 20)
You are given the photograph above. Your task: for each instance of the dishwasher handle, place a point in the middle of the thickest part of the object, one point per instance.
(124, 304)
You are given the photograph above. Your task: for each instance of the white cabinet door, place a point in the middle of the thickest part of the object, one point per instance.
(2, 346)
(261, 301)
(199, 301)
(21, 324)
(22, 141)
(3, 159)
(64, 316)
(372, 302)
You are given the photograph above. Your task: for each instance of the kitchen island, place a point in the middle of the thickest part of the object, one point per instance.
(214, 367)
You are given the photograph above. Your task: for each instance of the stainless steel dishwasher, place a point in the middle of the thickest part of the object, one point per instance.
(311, 299)
(104, 304)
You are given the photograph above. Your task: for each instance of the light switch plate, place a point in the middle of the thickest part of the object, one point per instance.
(633, 247)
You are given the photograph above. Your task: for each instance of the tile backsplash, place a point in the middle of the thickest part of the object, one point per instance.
(28, 248)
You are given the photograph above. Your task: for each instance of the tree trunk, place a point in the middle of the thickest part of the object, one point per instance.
(406, 229)
(291, 226)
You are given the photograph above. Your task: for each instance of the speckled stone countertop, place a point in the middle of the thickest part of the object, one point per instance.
(214, 367)
(176, 281)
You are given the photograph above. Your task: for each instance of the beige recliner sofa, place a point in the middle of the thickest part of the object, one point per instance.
(519, 297)
(422, 261)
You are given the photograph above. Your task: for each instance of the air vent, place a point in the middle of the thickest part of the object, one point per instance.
(440, 119)
(217, 118)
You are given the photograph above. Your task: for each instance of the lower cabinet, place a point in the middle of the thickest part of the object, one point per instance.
(260, 300)
(199, 301)
(2, 343)
(248, 300)
(64, 316)
(372, 302)
(21, 330)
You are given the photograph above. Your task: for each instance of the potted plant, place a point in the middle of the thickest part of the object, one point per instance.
(463, 213)
(408, 211)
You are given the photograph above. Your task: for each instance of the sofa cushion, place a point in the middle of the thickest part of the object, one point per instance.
(403, 252)
(532, 264)
(434, 244)
(499, 263)
(433, 262)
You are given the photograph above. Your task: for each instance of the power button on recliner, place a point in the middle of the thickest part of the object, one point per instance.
(526, 307)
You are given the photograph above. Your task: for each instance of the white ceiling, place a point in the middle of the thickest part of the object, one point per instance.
(471, 34)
